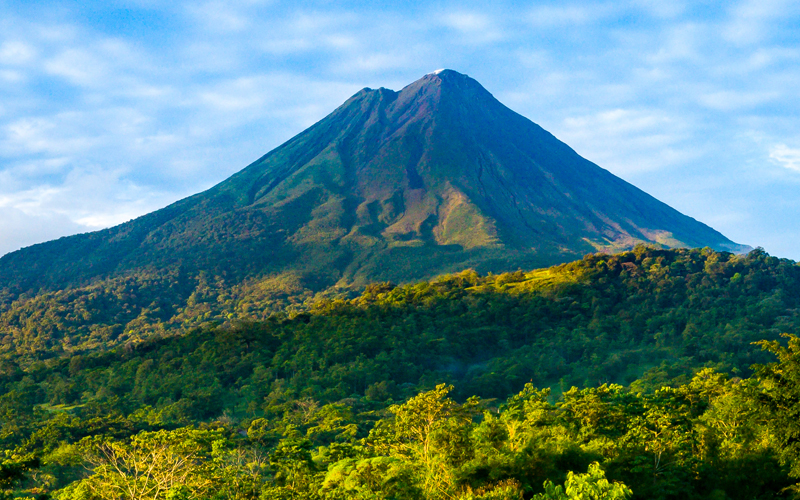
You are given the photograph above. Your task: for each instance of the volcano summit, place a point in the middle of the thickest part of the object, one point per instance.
(397, 186)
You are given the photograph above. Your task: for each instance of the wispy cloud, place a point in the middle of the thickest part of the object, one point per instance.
(730, 100)
(752, 21)
(660, 9)
(14, 52)
(219, 16)
(557, 16)
(786, 157)
(651, 140)
(20, 229)
(473, 27)
(77, 66)
(682, 42)
(44, 135)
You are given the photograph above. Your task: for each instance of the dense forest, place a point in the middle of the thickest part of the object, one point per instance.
(633, 374)
(715, 437)
(650, 316)
(678, 304)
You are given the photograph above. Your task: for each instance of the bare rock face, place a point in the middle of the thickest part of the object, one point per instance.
(397, 186)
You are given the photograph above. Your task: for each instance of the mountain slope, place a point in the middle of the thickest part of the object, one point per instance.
(390, 186)
(604, 318)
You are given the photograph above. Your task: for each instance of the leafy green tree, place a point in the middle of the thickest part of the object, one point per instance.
(431, 432)
(295, 474)
(592, 485)
(778, 399)
(661, 445)
(519, 442)
(241, 471)
(597, 412)
(151, 466)
(14, 465)
(375, 478)
(508, 489)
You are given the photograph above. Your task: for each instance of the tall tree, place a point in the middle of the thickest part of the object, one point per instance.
(778, 399)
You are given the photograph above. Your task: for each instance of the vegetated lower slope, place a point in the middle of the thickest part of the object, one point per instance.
(130, 309)
(606, 318)
(391, 186)
(674, 304)
(317, 405)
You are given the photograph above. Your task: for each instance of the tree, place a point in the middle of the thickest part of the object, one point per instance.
(778, 398)
(151, 466)
(431, 432)
(243, 471)
(590, 486)
(14, 466)
(374, 478)
(660, 445)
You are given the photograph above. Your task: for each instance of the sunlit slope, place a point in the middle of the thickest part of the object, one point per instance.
(600, 319)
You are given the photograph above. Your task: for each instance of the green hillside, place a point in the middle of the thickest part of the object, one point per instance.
(666, 298)
(605, 319)
(322, 404)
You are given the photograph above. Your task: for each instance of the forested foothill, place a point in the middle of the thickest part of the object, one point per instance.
(653, 373)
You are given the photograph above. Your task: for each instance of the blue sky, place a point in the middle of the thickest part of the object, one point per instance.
(109, 110)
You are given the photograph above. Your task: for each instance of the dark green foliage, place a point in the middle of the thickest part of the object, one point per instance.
(652, 315)
(778, 397)
(667, 445)
(327, 403)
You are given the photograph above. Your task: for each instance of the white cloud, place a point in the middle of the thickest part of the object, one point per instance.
(467, 21)
(629, 141)
(78, 66)
(617, 121)
(220, 16)
(371, 62)
(682, 42)
(50, 135)
(16, 53)
(763, 58)
(752, 21)
(547, 16)
(786, 157)
(474, 27)
(11, 76)
(19, 229)
(236, 95)
(85, 198)
(662, 9)
(730, 100)
(39, 168)
(341, 41)
(320, 23)
(235, 102)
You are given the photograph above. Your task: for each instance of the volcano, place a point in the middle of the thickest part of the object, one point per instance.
(398, 186)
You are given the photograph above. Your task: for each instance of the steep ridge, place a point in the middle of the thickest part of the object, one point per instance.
(390, 186)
